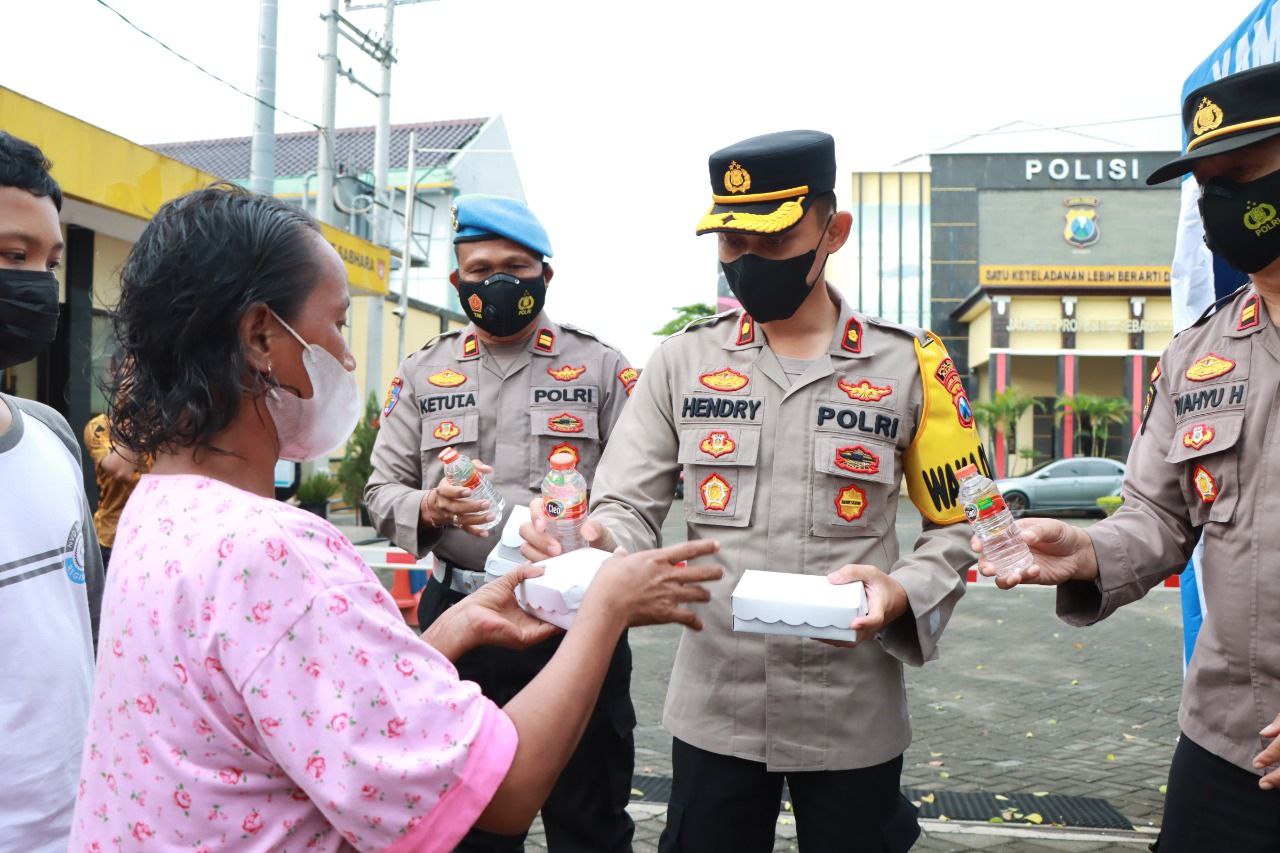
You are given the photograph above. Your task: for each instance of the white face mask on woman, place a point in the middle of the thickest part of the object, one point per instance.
(310, 428)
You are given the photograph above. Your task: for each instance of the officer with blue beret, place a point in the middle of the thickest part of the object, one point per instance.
(510, 388)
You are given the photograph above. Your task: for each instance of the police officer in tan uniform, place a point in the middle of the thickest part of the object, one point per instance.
(511, 388)
(1205, 466)
(794, 421)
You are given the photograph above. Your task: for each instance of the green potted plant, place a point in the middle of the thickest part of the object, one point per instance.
(357, 464)
(315, 491)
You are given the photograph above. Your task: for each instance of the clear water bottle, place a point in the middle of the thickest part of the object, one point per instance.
(461, 471)
(564, 502)
(1002, 545)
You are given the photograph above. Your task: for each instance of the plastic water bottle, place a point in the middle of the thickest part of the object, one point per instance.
(461, 471)
(564, 502)
(1002, 545)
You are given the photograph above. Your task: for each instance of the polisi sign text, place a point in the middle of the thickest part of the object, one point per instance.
(1084, 169)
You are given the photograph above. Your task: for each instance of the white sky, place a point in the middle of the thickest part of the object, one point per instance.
(613, 108)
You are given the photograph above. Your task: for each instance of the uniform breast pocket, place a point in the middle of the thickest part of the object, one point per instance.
(447, 430)
(854, 478)
(719, 473)
(1207, 453)
(572, 430)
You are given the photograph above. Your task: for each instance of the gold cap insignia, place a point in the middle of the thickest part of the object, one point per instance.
(737, 179)
(1208, 117)
(453, 214)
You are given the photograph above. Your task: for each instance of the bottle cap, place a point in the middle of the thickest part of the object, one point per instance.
(448, 455)
(563, 461)
(966, 471)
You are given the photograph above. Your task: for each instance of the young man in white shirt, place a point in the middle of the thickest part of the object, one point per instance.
(50, 567)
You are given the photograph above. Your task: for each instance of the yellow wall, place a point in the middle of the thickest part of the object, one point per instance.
(980, 338)
(422, 327)
(1038, 377)
(1102, 309)
(1161, 309)
(1102, 376)
(1035, 309)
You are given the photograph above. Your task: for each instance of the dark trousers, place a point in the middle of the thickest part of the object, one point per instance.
(1211, 804)
(586, 811)
(721, 804)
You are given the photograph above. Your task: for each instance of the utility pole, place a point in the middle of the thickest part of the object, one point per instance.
(262, 156)
(328, 110)
(410, 199)
(383, 197)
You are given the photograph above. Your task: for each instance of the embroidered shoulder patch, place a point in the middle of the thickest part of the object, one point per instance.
(1248, 314)
(852, 339)
(393, 397)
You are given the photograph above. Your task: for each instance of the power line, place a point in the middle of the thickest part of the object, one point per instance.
(1073, 129)
(201, 68)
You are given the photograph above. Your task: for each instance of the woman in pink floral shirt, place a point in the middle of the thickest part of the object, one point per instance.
(256, 687)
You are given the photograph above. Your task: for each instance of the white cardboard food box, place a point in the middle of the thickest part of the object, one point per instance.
(555, 595)
(506, 555)
(797, 605)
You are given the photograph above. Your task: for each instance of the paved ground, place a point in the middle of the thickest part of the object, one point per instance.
(1017, 703)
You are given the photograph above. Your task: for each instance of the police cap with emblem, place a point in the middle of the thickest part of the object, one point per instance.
(1226, 115)
(764, 185)
(486, 217)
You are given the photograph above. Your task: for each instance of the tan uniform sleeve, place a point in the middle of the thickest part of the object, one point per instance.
(636, 479)
(613, 392)
(394, 492)
(934, 573)
(1149, 538)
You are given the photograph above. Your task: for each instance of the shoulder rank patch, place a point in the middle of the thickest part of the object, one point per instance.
(1210, 367)
(864, 391)
(546, 341)
(628, 376)
(857, 460)
(564, 422)
(1205, 485)
(1248, 314)
(566, 373)
(851, 503)
(1198, 436)
(447, 378)
(470, 345)
(717, 443)
(746, 330)
(393, 397)
(446, 431)
(715, 493)
(949, 377)
(726, 379)
(565, 447)
(851, 341)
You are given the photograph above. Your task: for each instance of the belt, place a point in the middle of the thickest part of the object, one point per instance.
(458, 578)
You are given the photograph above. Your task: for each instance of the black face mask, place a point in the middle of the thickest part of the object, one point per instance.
(503, 304)
(1242, 221)
(773, 290)
(28, 314)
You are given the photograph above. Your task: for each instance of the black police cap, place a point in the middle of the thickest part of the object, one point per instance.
(1226, 115)
(764, 185)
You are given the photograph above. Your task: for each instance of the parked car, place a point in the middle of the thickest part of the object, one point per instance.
(1063, 484)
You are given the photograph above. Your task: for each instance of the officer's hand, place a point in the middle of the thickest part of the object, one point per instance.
(652, 587)
(1062, 553)
(489, 616)
(539, 544)
(448, 505)
(1270, 757)
(886, 601)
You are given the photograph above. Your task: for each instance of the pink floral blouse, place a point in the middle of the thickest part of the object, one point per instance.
(257, 689)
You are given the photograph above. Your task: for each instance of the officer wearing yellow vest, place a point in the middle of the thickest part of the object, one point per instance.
(795, 420)
(511, 388)
(1200, 470)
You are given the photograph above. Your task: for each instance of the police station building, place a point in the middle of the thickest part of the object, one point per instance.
(1047, 272)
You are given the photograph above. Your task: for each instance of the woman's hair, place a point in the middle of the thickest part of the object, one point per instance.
(203, 261)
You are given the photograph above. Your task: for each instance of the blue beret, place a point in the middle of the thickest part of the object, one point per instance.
(484, 217)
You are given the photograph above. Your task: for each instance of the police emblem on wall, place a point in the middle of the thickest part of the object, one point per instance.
(1081, 229)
